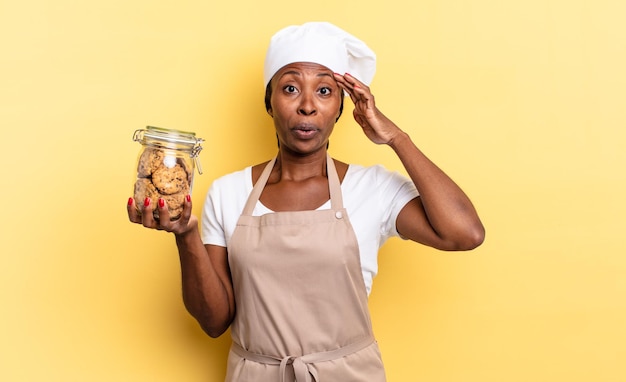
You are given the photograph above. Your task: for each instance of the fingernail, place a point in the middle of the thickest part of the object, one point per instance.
(188, 197)
(146, 202)
(130, 201)
(161, 203)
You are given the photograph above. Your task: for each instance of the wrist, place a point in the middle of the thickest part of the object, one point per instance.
(398, 140)
(191, 233)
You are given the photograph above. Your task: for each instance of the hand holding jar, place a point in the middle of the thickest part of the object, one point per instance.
(165, 172)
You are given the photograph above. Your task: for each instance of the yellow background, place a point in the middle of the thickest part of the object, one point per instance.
(521, 102)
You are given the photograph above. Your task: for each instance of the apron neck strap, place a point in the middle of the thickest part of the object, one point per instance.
(336, 200)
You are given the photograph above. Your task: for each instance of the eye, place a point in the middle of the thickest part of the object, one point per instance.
(290, 89)
(325, 91)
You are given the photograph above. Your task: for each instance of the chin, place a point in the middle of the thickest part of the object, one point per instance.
(301, 150)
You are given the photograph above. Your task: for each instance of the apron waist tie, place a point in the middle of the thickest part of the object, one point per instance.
(300, 363)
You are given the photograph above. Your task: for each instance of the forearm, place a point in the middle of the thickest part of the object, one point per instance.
(448, 210)
(206, 293)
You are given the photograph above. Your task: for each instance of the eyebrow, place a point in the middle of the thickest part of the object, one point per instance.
(297, 73)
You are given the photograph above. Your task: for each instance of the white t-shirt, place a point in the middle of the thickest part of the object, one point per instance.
(372, 196)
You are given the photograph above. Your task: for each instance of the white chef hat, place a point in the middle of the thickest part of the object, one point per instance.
(321, 43)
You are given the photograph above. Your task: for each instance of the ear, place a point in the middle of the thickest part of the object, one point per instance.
(270, 112)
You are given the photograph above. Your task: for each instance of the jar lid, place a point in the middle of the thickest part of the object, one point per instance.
(169, 138)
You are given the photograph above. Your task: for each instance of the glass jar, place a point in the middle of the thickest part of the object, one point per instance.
(165, 167)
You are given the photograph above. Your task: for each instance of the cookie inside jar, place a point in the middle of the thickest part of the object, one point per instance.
(163, 174)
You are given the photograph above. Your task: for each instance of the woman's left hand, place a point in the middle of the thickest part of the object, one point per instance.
(376, 126)
(442, 216)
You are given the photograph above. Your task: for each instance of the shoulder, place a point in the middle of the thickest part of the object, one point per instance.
(228, 192)
(375, 174)
(376, 181)
(237, 180)
(256, 170)
(236, 176)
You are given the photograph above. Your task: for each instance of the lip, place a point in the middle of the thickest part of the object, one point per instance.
(305, 131)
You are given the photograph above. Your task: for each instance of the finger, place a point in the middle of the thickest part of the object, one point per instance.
(353, 96)
(365, 96)
(339, 78)
(354, 82)
(164, 221)
(133, 212)
(187, 207)
(147, 216)
(360, 120)
(361, 91)
(180, 223)
(349, 83)
(186, 214)
(343, 84)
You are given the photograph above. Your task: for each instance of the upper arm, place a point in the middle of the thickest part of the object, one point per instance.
(456, 231)
(412, 223)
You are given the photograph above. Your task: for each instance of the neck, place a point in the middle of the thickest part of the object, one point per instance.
(296, 168)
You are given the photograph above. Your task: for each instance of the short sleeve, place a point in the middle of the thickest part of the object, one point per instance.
(212, 225)
(396, 191)
(223, 205)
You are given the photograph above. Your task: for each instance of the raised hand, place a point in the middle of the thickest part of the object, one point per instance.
(376, 126)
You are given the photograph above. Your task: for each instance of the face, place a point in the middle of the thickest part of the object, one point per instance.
(305, 103)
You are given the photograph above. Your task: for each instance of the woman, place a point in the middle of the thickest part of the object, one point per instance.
(288, 247)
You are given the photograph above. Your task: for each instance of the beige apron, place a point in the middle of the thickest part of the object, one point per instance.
(302, 311)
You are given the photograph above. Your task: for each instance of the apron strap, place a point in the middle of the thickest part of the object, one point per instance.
(258, 188)
(336, 199)
(301, 364)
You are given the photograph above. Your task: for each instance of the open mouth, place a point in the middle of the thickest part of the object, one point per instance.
(304, 132)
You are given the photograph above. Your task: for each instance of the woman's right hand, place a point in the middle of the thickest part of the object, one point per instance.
(143, 215)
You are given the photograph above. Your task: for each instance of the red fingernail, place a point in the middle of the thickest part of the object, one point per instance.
(161, 203)
(130, 201)
(188, 198)
(146, 202)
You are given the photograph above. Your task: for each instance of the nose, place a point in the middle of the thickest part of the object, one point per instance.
(307, 105)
